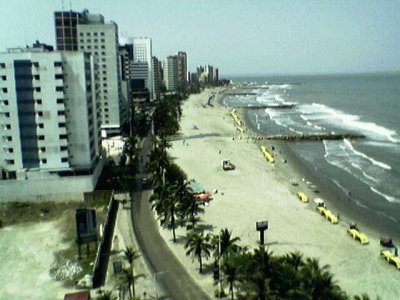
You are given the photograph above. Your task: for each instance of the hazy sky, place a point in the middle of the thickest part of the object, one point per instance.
(238, 36)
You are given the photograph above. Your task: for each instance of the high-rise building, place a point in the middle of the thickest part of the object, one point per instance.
(49, 116)
(156, 77)
(66, 23)
(94, 36)
(171, 73)
(142, 53)
(182, 67)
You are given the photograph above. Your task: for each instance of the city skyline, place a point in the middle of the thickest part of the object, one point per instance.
(264, 37)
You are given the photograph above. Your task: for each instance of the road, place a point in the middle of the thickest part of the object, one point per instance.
(168, 272)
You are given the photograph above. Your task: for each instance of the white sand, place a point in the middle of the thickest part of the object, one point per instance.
(257, 191)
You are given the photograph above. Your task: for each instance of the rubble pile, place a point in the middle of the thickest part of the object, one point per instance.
(68, 270)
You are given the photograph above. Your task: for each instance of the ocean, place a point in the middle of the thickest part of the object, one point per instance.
(364, 173)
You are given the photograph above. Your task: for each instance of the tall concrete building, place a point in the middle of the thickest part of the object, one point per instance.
(94, 36)
(181, 59)
(142, 53)
(49, 122)
(157, 77)
(171, 73)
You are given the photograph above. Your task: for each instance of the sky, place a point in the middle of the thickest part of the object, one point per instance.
(246, 37)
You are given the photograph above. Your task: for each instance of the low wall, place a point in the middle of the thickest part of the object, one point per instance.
(54, 188)
(103, 250)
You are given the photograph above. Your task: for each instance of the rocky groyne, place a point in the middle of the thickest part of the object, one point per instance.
(315, 137)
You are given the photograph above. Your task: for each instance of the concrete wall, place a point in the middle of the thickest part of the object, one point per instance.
(54, 188)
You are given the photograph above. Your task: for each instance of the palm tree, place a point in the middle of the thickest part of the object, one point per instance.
(227, 243)
(231, 269)
(318, 281)
(198, 245)
(130, 255)
(166, 206)
(127, 280)
(258, 271)
(188, 206)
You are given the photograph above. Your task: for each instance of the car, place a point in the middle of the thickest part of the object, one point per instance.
(391, 258)
(357, 235)
(302, 197)
(327, 214)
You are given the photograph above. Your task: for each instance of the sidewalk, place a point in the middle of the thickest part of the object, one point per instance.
(123, 238)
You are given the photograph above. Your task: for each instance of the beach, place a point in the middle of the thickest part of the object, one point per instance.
(257, 190)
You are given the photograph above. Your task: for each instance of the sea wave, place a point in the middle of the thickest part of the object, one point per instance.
(391, 199)
(323, 113)
(363, 155)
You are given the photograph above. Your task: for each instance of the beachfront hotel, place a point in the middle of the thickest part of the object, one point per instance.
(89, 33)
(49, 124)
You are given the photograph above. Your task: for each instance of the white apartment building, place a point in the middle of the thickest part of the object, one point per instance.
(49, 124)
(142, 53)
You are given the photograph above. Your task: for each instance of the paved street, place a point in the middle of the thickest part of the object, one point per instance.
(167, 270)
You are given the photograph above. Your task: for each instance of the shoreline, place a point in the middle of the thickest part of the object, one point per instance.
(256, 191)
(335, 198)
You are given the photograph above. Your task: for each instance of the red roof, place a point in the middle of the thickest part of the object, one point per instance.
(84, 295)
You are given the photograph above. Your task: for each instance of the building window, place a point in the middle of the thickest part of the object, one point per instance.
(61, 125)
(38, 89)
(102, 33)
(63, 148)
(8, 150)
(58, 64)
(7, 138)
(102, 40)
(7, 127)
(40, 114)
(64, 159)
(61, 113)
(59, 76)
(2, 65)
(42, 149)
(37, 77)
(4, 77)
(59, 88)
(5, 102)
(88, 40)
(95, 33)
(88, 33)
(63, 136)
(103, 47)
(60, 101)
(35, 64)
(39, 101)
(41, 125)
(80, 33)
(5, 90)
(41, 138)
(9, 161)
(43, 161)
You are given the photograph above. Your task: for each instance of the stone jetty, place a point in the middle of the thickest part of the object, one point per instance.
(315, 137)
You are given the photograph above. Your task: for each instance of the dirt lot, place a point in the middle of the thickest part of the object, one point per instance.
(37, 245)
